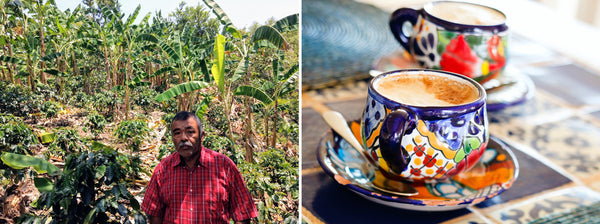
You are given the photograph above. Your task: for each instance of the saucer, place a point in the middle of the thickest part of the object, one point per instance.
(493, 174)
(517, 89)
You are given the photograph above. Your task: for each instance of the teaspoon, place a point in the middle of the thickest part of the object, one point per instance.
(339, 124)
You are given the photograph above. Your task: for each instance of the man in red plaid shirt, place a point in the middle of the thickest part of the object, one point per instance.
(195, 184)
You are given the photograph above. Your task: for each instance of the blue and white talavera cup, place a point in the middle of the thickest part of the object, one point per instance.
(460, 37)
(420, 142)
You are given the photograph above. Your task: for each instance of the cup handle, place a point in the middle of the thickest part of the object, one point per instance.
(397, 20)
(395, 125)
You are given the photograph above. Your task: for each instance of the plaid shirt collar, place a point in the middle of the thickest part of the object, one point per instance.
(201, 160)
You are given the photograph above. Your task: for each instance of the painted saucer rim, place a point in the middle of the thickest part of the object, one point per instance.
(412, 204)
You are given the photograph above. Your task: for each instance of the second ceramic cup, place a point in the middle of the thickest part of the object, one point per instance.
(460, 37)
(421, 124)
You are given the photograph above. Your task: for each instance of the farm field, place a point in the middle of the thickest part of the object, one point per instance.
(87, 96)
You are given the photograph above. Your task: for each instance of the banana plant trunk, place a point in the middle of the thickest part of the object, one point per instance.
(42, 51)
(107, 67)
(248, 132)
(274, 125)
(30, 76)
(10, 53)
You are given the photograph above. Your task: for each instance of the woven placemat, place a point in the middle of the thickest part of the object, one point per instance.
(341, 39)
(584, 214)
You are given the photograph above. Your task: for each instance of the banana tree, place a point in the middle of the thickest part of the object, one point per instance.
(185, 56)
(39, 9)
(31, 58)
(124, 35)
(264, 37)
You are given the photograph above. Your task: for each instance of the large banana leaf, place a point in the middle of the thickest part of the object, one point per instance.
(147, 37)
(253, 92)
(43, 184)
(293, 70)
(170, 51)
(218, 68)
(180, 89)
(270, 34)
(52, 56)
(162, 71)
(287, 24)
(202, 107)
(55, 72)
(240, 70)
(219, 12)
(60, 27)
(12, 60)
(133, 16)
(18, 161)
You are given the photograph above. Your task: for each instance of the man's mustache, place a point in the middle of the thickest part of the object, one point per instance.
(185, 144)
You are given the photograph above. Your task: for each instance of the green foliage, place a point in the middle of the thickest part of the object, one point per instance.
(180, 89)
(91, 189)
(18, 161)
(105, 103)
(18, 100)
(51, 108)
(15, 135)
(218, 143)
(216, 118)
(133, 132)
(274, 180)
(81, 100)
(96, 123)
(144, 98)
(66, 141)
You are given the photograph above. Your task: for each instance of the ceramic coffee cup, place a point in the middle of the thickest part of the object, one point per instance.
(421, 124)
(459, 37)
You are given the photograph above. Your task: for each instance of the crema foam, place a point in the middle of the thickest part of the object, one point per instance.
(463, 13)
(426, 89)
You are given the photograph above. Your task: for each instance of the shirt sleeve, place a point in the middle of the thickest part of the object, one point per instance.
(153, 204)
(241, 204)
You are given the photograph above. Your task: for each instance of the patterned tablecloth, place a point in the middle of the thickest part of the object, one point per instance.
(555, 137)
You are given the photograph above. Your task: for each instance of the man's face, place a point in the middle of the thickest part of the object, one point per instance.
(187, 138)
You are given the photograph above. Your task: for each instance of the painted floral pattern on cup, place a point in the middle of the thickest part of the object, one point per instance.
(438, 148)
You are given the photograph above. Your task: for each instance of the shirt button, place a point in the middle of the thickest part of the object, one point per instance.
(191, 190)
(191, 209)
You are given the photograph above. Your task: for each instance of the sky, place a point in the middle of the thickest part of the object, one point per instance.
(243, 13)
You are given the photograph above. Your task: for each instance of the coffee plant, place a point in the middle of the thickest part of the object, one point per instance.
(133, 132)
(92, 188)
(66, 141)
(96, 123)
(18, 100)
(50, 108)
(275, 181)
(15, 135)
(144, 98)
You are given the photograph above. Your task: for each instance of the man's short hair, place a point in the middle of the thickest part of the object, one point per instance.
(184, 115)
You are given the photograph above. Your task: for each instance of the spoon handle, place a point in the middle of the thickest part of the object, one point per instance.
(337, 122)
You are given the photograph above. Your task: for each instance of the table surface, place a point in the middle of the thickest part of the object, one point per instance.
(555, 137)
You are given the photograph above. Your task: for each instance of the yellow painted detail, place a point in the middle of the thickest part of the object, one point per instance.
(433, 142)
(485, 67)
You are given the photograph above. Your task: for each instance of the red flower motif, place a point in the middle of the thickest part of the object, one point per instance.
(496, 51)
(440, 170)
(415, 171)
(419, 150)
(459, 58)
(429, 161)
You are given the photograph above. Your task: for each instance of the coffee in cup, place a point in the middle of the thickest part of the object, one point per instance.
(426, 90)
(469, 14)
(460, 37)
(421, 124)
